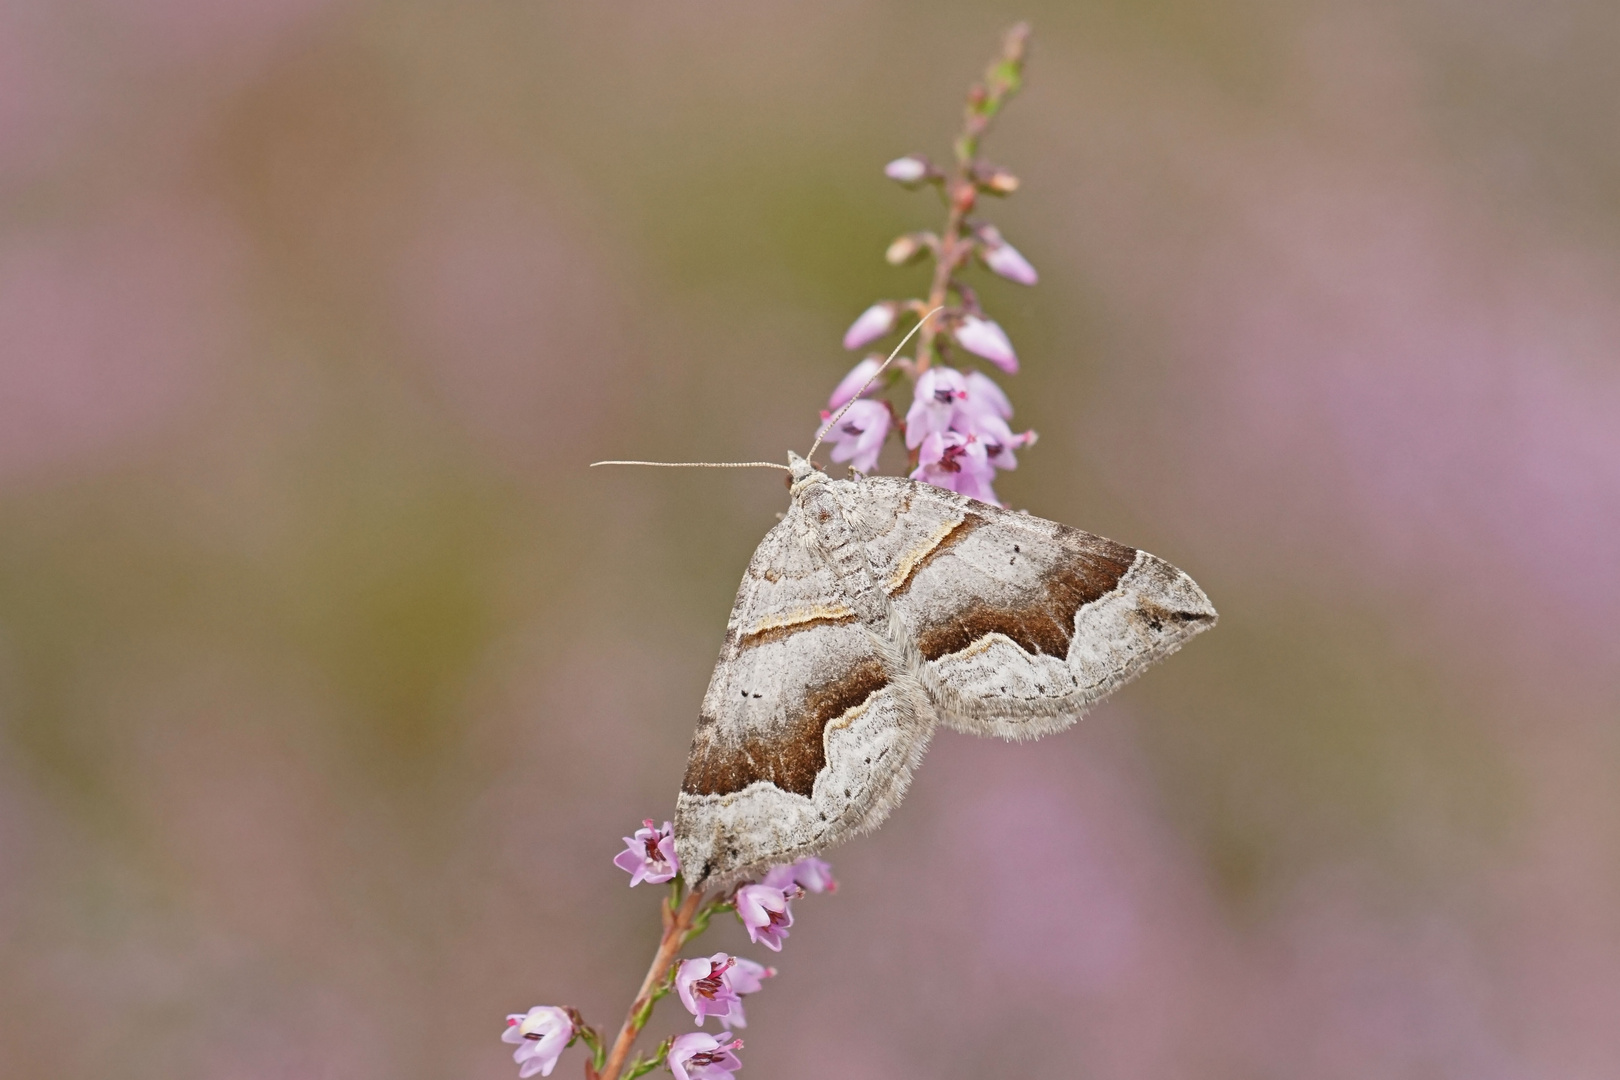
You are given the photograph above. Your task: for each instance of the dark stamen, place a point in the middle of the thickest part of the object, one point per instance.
(711, 984)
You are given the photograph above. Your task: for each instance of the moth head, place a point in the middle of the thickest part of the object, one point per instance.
(802, 472)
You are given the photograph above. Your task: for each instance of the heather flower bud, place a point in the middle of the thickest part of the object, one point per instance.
(999, 181)
(541, 1035)
(963, 198)
(910, 170)
(906, 249)
(1004, 259)
(855, 382)
(871, 324)
(981, 337)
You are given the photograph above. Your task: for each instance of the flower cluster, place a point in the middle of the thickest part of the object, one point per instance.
(764, 908)
(707, 985)
(715, 986)
(957, 429)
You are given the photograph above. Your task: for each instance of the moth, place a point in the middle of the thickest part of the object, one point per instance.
(876, 610)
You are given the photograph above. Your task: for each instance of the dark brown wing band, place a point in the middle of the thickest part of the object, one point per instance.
(1043, 623)
(789, 756)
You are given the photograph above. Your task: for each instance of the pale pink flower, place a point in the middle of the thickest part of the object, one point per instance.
(541, 1035)
(984, 414)
(858, 438)
(1004, 259)
(748, 977)
(981, 337)
(935, 403)
(871, 324)
(649, 855)
(958, 463)
(969, 415)
(698, 1055)
(855, 382)
(810, 874)
(999, 442)
(984, 397)
(704, 988)
(765, 915)
(745, 977)
(911, 169)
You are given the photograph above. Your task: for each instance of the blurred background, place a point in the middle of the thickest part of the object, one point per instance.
(330, 678)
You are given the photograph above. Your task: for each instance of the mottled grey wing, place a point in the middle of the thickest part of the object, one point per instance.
(1021, 623)
(805, 735)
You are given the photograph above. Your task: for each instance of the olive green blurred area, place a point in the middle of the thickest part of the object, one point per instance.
(330, 676)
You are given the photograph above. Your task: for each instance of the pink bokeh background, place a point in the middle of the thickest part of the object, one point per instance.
(329, 677)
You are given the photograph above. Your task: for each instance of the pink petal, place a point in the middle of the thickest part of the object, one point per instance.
(906, 170)
(858, 377)
(1004, 259)
(983, 395)
(870, 325)
(981, 337)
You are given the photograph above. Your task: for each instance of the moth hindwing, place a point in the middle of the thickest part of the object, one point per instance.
(877, 608)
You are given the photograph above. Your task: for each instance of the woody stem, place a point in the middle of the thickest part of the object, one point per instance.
(676, 927)
(951, 251)
(985, 99)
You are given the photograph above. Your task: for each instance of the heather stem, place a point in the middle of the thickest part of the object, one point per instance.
(678, 924)
(961, 190)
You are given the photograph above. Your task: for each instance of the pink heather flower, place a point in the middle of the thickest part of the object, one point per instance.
(858, 438)
(649, 855)
(810, 874)
(871, 324)
(698, 1055)
(745, 977)
(958, 463)
(907, 170)
(985, 414)
(1004, 259)
(541, 1035)
(858, 377)
(999, 442)
(935, 404)
(984, 397)
(981, 337)
(765, 914)
(704, 988)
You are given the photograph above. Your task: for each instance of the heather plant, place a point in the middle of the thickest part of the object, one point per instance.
(957, 433)
(956, 428)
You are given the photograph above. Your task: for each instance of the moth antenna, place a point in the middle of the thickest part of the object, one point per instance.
(839, 415)
(700, 464)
